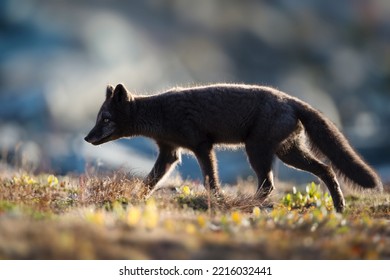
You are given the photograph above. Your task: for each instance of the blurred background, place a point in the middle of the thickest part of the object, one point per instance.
(56, 58)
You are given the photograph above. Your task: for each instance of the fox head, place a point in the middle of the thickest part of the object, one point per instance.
(111, 120)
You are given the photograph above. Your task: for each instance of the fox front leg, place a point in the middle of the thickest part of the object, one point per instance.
(208, 164)
(260, 158)
(166, 160)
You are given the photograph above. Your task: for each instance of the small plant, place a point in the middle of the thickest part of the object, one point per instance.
(256, 212)
(186, 191)
(187, 198)
(52, 180)
(24, 180)
(313, 197)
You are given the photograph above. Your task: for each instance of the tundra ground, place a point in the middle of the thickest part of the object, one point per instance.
(109, 217)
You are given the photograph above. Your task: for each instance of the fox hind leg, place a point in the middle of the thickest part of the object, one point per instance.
(297, 155)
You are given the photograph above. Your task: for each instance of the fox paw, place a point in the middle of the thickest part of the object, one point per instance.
(263, 193)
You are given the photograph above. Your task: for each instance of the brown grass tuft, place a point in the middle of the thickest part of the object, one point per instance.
(99, 191)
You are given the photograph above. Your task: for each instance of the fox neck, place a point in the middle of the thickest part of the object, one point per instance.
(147, 117)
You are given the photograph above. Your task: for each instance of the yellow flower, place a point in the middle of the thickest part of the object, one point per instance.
(169, 225)
(133, 216)
(16, 180)
(30, 181)
(236, 217)
(151, 216)
(118, 209)
(202, 221)
(256, 212)
(96, 217)
(24, 179)
(52, 180)
(186, 191)
(190, 228)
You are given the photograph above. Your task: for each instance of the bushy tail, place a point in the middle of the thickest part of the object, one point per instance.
(327, 138)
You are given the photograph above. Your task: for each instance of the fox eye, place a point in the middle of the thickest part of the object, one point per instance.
(106, 120)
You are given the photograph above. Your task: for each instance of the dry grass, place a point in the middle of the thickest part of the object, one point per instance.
(110, 217)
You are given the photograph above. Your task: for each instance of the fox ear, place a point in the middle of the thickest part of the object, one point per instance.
(109, 91)
(121, 94)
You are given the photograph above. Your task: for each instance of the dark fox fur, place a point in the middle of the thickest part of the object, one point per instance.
(268, 122)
